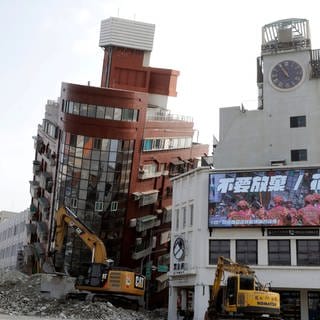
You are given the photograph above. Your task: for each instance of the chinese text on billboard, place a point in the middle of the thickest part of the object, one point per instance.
(265, 198)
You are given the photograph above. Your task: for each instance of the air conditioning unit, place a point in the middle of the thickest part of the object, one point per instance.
(154, 242)
(133, 223)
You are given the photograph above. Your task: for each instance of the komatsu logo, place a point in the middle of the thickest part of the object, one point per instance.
(269, 304)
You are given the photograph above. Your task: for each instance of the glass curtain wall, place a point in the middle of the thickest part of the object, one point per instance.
(93, 181)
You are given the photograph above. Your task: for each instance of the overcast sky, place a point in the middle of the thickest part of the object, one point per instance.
(214, 45)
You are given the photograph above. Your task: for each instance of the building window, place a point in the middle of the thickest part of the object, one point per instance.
(114, 206)
(296, 122)
(246, 251)
(299, 155)
(218, 248)
(191, 215)
(98, 206)
(177, 219)
(74, 203)
(314, 304)
(308, 252)
(184, 217)
(279, 253)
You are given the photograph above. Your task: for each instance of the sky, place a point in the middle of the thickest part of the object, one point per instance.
(214, 45)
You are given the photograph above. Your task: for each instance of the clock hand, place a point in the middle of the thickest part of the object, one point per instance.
(284, 70)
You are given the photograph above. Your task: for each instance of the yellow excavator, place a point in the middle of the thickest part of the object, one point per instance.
(103, 280)
(244, 297)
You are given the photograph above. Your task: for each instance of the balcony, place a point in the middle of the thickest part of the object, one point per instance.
(36, 167)
(33, 212)
(42, 231)
(34, 189)
(161, 116)
(44, 206)
(46, 181)
(146, 222)
(148, 175)
(141, 251)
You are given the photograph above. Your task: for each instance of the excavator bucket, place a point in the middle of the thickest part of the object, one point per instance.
(57, 285)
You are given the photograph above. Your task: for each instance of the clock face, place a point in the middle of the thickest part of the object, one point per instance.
(286, 75)
(178, 249)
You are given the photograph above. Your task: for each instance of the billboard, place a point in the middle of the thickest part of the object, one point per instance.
(277, 197)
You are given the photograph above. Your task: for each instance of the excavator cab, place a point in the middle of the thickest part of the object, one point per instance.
(243, 297)
(238, 286)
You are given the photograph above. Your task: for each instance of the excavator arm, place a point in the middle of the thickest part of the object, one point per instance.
(66, 218)
(225, 264)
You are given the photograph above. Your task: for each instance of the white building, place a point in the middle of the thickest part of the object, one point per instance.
(13, 236)
(283, 131)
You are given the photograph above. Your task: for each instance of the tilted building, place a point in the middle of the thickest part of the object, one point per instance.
(108, 153)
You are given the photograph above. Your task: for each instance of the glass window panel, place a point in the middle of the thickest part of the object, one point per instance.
(95, 155)
(83, 194)
(112, 156)
(86, 164)
(92, 109)
(94, 165)
(308, 252)
(109, 113)
(84, 183)
(127, 114)
(76, 108)
(279, 252)
(84, 174)
(114, 145)
(135, 115)
(218, 248)
(246, 251)
(71, 161)
(80, 141)
(73, 140)
(147, 144)
(104, 156)
(77, 162)
(70, 108)
(101, 186)
(117, 114)
(97, 144)
(105, 144)
(100, 112)
(79, 152)
(83, 109)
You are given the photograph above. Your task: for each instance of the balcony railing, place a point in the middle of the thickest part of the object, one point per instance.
(168, 117)
(146, 222)
(140, 251)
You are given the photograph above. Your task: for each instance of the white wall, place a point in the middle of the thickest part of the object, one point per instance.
(13, 236)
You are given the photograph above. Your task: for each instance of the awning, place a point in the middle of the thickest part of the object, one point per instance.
(177, 162)
(34, 183)
(164, 277)
(147, 218)
(145, 193)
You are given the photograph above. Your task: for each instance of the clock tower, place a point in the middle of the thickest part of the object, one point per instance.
(284, 129)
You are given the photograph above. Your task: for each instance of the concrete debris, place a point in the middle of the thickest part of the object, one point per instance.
(20, 295)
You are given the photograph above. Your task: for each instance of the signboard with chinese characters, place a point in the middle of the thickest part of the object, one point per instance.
(282, 197)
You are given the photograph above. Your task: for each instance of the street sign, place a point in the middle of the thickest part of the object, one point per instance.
(162, 268)
(148, 270)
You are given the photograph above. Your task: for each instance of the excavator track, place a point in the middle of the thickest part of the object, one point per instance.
(116, 300)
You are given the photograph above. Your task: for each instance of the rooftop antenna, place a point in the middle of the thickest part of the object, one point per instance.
(118, 12)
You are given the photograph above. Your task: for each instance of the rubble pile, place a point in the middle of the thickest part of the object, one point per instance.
(20, 295)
